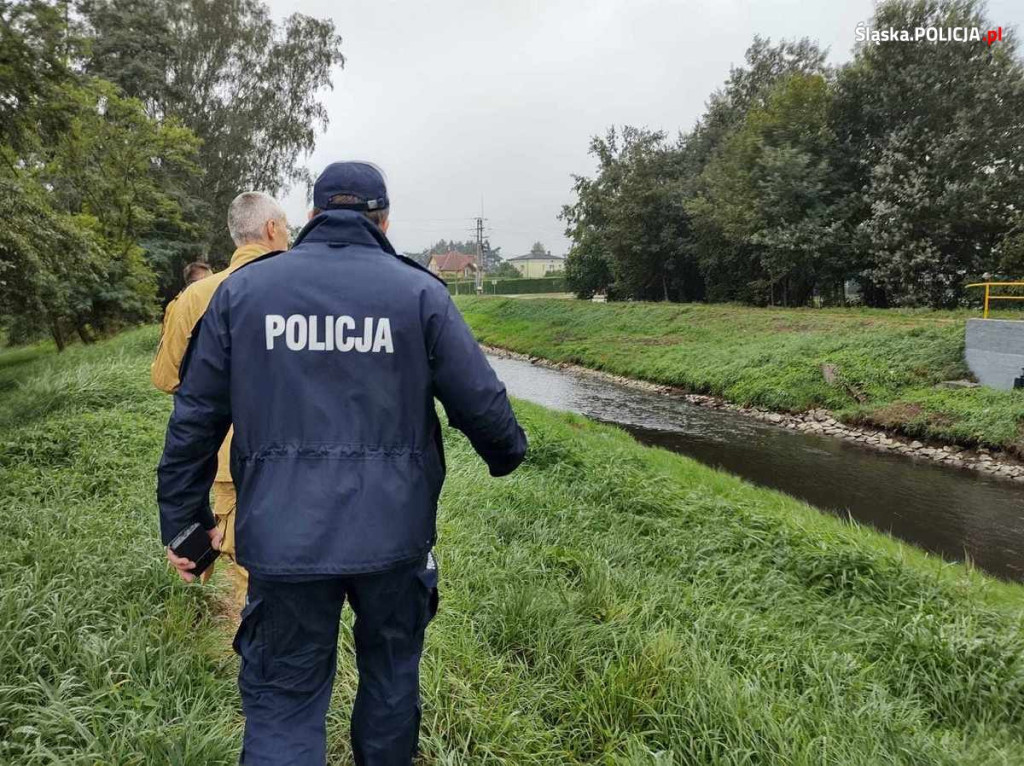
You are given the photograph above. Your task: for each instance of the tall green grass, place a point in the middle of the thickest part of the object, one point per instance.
(606, 604)
(888, 362)
(104, 659)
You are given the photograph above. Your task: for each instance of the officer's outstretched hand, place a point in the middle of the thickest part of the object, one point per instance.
(184, 566)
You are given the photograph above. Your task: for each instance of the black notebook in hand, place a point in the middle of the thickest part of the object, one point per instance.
(193, 543)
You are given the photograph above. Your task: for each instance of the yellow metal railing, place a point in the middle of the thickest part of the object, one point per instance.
(988, 292)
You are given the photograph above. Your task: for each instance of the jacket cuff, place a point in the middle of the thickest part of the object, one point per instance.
(506, 467)
(502, 463)
(170, 528)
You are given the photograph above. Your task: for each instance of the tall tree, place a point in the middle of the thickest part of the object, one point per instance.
(85, 174)
(629, 230)
(49, 265)
(120, 174)
(247, 87)
(730, 262)
(749, 87)
(34, 53)
(768, 194)
(937, 130)
(630, 227)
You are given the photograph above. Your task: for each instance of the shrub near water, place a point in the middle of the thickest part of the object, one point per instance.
(605, 604)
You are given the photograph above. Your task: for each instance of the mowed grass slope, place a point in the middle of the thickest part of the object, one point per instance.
(887, 361)
(606, 604)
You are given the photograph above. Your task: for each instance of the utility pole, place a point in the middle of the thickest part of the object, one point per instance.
(479, 254)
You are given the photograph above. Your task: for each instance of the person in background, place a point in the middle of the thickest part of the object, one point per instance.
(327, 361)
(195, 271)
(257, 225)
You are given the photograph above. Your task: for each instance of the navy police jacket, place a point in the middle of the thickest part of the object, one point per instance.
(327, 359)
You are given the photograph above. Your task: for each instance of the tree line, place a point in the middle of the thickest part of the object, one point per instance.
(126, 128)
(892, 180)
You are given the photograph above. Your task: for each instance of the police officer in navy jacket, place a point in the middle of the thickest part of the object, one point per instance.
(327, 359)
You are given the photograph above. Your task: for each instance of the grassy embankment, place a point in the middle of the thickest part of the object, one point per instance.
(606, 604)
(887, 361)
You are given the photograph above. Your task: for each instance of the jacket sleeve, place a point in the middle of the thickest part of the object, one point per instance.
(198, 424)
(473, 397)
(174, 340)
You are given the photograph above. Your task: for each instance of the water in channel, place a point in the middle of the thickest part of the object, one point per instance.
(948, 511)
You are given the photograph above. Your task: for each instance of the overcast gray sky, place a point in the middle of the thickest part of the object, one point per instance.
(492, 103)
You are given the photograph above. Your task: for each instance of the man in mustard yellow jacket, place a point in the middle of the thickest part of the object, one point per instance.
(192, 273)
(258, 226)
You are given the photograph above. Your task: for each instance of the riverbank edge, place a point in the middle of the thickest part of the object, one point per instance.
(990, 462)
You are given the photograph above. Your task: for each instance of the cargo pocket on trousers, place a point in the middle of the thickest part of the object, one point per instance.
(429, 579)
(248, 643)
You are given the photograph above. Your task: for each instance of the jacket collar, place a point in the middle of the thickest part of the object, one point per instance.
(344, 227)
(245, 254)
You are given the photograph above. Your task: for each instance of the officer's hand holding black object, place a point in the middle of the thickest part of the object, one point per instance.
(185, 566)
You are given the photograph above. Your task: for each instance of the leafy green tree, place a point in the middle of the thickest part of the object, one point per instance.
(92, 173)
(587, 271)
(1011, 252)
(111, 176)
(121, 174)
(767, 196)
(749, 87)
(246, 87)
(732, 263)
(629, 230)
(538, 249)
(630, 226)
(49, 265)
(938, 132)
(116, 164)
(34, 52)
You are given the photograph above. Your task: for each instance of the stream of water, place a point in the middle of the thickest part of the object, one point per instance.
(948, 511)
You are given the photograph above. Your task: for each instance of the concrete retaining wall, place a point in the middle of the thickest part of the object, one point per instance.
(994, 351)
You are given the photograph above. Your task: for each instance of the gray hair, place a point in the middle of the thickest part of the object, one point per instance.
(249, 212)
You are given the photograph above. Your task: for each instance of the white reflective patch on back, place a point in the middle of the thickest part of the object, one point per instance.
(382, 341)
(275, 328)
(344, 326)
(315, 333)
(315, 343)
(296, 332)
(364, 341)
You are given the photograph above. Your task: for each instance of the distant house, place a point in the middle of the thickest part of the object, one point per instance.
(534, 265)
(453, 265)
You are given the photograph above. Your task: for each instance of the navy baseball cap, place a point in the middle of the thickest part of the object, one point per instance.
(363, 180)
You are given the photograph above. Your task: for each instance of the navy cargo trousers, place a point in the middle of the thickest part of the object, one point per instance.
(288, 644)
